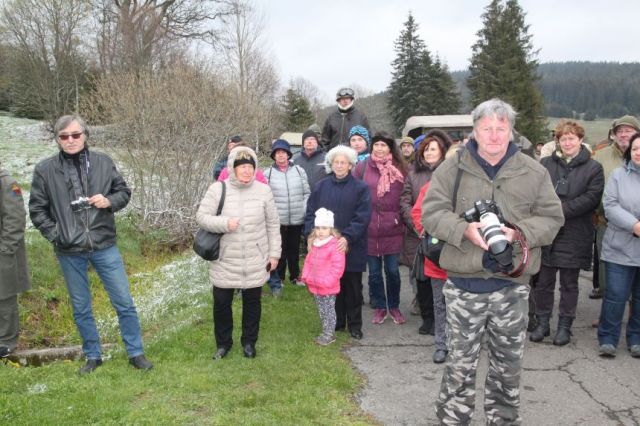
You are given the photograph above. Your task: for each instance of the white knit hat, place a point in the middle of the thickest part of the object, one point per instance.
(324, 217)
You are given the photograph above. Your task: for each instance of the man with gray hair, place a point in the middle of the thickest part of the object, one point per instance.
(505, 210)
(74, 196)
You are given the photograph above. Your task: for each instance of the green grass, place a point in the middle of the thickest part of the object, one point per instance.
(291, 381)
(45, 311)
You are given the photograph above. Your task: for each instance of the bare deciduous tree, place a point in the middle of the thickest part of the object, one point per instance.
(138, 35)
(48, 70)
(166, 127)
(253, 75)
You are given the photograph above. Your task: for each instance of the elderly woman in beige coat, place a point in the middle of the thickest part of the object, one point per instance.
(249, 248)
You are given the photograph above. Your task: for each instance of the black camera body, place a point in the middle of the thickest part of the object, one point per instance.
(481, 207)
(489, 215)
(82, 203)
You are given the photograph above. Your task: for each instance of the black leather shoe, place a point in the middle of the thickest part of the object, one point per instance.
(356, 334)
(90, 366)
(140, 362)
(221, 353)
(249, 351)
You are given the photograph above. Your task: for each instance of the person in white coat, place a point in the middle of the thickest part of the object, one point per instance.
(249, 248)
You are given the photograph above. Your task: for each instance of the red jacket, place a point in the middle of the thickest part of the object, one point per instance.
(430, 268)
(323, 268)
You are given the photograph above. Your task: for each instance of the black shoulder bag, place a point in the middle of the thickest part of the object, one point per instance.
(207, 244)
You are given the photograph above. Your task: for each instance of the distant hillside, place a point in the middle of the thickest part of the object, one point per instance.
(590, 89)
(586, 90)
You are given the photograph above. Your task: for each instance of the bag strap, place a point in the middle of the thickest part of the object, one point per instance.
(221, 203)
(364, 168)
(456, 185)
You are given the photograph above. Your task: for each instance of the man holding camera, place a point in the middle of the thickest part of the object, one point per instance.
(487, 290)
(74, 196)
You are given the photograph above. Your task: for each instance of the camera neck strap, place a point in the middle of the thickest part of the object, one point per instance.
(521, 240)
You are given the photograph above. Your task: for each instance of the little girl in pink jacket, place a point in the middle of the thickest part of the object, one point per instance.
(323, 267)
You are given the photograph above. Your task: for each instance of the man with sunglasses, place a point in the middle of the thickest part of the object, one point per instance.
(339, 123)
(74, 196)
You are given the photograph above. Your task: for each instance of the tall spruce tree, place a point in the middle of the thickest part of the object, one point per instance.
(419, 85)
(297, 111)
(445, 97)
(503, 65)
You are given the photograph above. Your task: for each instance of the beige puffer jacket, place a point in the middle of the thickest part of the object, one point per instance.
(244, 253)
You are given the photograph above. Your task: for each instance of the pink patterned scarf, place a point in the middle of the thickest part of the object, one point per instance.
(388, 173)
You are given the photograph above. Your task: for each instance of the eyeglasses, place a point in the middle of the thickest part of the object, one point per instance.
(66, 136)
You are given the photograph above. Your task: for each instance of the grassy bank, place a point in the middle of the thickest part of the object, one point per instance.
(291, 381)
(45, 311)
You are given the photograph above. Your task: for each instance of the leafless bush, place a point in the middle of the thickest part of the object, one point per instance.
(168, 129)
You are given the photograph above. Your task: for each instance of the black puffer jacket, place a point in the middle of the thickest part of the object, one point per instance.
(336, 128)
(52, 191)
(585, 183)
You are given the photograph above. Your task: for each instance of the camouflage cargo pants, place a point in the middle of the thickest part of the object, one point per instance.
(502, 315)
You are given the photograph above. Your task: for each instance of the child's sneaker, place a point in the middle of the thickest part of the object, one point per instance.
(325, 339)
(379, 315)
(397, 316)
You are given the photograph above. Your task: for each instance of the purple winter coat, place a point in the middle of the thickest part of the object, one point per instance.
(386, 229)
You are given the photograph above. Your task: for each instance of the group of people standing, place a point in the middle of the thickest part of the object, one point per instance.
(365, 202)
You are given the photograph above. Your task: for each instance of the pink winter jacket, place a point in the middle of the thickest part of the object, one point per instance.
(323, 268)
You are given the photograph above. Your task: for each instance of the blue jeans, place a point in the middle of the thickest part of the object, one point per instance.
(274, 280)
(108, 264)
(391, 298)
(622, 281)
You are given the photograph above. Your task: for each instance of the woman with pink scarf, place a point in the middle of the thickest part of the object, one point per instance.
(384, 172)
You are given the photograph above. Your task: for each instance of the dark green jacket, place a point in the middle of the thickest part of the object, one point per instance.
(14, 274)
(523, 191)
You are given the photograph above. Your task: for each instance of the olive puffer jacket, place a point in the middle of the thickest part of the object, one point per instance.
(579, 185)
(244, 253)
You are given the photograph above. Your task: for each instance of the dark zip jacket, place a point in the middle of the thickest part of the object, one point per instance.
(339, 123)
(56, 184)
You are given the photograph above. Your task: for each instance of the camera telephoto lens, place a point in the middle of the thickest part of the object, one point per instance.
(492, 233)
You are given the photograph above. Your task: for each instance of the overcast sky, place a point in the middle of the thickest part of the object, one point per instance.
(334, 43)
